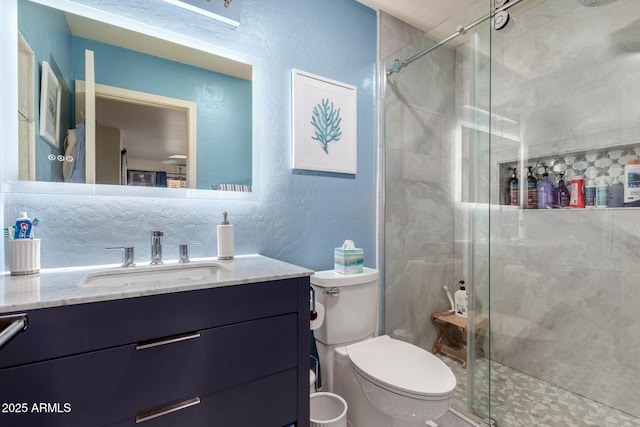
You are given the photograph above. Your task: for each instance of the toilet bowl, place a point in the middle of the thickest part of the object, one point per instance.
(401, 380)
(386, 382)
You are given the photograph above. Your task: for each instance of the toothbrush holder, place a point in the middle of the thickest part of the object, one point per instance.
(25, 256)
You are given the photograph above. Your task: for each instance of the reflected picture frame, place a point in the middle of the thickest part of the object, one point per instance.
(324, 122)
(50, 94)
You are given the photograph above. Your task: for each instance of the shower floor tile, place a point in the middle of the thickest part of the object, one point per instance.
(518, 400)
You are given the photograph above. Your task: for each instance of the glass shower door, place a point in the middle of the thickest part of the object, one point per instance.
(436, 195)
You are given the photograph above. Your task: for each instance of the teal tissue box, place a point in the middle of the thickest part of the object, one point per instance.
(348, 261)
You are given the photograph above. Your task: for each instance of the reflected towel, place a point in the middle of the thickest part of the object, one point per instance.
(77, 171)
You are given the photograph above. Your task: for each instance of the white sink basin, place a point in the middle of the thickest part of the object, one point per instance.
(154, 274)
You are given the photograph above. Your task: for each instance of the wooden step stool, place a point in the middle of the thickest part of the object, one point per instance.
(453, 345)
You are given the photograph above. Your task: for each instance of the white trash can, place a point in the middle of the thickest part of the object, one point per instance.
(328, 410)
(312, 382)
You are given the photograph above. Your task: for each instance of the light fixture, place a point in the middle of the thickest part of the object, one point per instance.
(219, 10)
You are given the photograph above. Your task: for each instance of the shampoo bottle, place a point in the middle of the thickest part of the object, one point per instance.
(532, 191)
(461, 298)
(225, 239)
(577, 193)
(615, 197)
(562, 194)
(545, 191)
(602, 193)
(512, 189)
(632, 183)
(590, 194)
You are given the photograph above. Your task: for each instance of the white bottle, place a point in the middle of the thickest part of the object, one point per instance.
(602, 194)
(225, 239)
(461, 298)
(632, 183)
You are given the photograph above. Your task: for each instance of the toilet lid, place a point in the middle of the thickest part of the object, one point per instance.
(401, 366)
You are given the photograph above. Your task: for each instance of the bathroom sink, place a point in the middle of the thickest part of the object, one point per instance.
(153, 274)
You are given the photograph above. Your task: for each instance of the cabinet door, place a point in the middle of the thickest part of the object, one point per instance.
(68, 392)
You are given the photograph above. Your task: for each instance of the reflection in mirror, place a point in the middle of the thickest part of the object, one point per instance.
(166, 115)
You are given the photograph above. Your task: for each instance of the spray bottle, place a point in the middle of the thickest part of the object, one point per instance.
(462, 301)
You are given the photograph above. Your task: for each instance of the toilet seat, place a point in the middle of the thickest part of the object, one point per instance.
(402, 368)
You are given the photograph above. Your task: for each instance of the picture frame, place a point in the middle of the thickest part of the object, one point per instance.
(324, 124)
(50, 94)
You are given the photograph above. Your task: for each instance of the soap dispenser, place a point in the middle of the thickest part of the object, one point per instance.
(545, 191)
(225, 239)
(461, 298)
(531, 191)
(512, 189)
(562, 194)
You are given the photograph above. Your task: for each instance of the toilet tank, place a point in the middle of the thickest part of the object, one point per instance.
(351, 313)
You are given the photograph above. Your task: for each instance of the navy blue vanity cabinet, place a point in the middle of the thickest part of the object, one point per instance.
(227, 356)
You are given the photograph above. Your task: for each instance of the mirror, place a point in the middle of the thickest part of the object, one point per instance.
(133, 109)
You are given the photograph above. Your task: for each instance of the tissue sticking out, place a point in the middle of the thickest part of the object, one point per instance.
(348, 259)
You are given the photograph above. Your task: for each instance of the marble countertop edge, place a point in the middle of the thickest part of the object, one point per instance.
(60, 287)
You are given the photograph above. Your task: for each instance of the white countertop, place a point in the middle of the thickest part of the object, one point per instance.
(58, 287)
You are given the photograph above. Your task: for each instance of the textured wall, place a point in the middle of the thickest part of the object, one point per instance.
(300, 217)
(49, 38)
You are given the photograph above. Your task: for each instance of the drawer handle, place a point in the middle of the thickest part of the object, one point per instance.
(168, 340)
(11, 326)
(146, 416)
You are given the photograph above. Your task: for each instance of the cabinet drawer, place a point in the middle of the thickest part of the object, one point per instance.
(60, 331)
(267, 402)
(219, 358)
(120, 383)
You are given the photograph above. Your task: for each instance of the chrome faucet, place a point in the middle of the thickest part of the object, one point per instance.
(156, 247)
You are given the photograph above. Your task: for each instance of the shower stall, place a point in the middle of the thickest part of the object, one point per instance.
(547, 85)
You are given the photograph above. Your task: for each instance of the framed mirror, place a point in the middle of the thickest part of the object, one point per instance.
(141, 111)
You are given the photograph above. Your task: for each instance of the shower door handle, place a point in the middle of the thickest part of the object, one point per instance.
(334, 292)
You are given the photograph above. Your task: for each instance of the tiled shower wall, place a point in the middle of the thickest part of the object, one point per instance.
(419, 217)
(564, 283)
(564, 78)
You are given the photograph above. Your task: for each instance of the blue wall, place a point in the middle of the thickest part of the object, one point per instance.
(301, 216)
(223, 125)
(49, 37)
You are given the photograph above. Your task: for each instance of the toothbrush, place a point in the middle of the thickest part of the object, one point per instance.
(35, 223)
(8, 234)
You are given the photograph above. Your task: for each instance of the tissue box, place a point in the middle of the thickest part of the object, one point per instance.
(348, 261)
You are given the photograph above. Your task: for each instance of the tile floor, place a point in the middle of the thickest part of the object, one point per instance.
(519, 400)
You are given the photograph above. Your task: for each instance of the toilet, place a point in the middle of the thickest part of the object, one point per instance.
(386, 382)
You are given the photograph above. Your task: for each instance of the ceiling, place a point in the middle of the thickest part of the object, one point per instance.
(425, 15)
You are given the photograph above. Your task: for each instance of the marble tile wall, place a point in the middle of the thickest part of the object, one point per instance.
(564, 283)
(419, 214)
(564, 78)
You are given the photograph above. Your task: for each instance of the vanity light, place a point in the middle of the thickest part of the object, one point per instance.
(219, 10)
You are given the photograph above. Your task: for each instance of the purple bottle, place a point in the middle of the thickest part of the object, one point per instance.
(545, 192)
(561, 194)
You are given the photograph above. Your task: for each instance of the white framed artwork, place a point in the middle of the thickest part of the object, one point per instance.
(50, 94)
(324, 121)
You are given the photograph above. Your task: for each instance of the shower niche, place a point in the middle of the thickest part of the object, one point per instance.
(598, 167)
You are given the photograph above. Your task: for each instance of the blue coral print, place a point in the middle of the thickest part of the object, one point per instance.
(326, 120)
